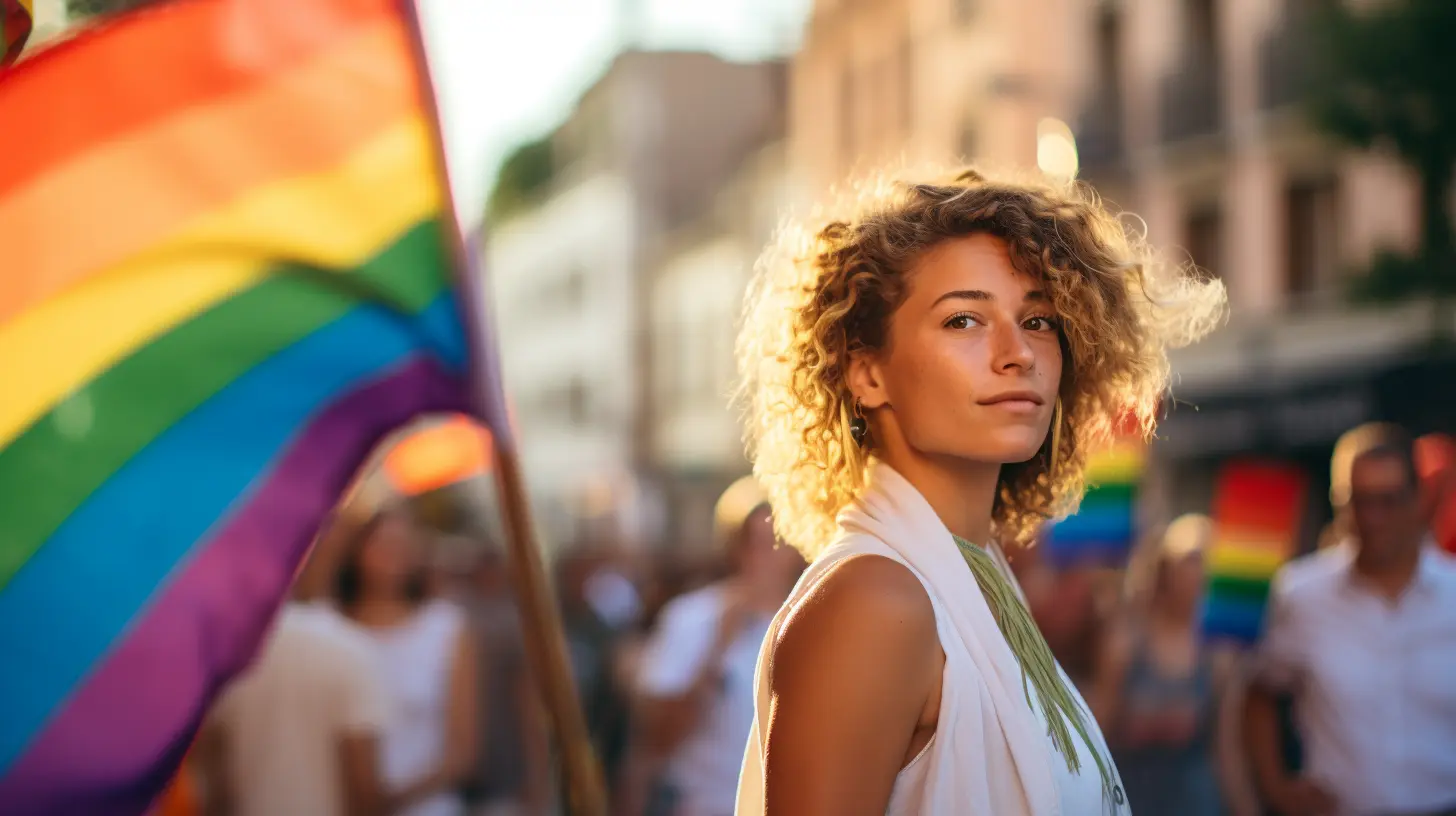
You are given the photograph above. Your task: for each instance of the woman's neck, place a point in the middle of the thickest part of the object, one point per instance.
(962, 493)
(381, 610)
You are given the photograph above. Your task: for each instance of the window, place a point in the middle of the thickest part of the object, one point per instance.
(963, 11)
(578, 402)
(970, 140)
(1311, 212)
(907, 84)
(1203, 27)
(1109, 55)
(1203, 237)
(574, 289)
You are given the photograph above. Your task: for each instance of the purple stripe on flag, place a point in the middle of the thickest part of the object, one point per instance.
(115, 745)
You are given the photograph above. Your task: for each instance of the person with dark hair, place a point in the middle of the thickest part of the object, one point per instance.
(512, 769)
(427, 656)
(1366, 644)
(695, 680)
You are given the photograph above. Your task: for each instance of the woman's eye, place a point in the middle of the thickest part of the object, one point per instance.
(961, 321)
(1040, 324)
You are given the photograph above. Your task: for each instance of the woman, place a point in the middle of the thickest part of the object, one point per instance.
(1159, 687)
(427, 661)
(923, 377)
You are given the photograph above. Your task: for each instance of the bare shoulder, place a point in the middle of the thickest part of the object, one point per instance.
(866, 610)
(854, 666)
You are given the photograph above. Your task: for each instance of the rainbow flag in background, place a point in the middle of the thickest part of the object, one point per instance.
(224, 280)
(1102, 529)
(1256, 513)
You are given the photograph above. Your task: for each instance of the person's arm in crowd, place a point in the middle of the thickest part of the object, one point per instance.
(358, 760)
(462, 723)
(679, 675)
(1277, 666)
(209, 758)
(1229, 762)
(1109, 674)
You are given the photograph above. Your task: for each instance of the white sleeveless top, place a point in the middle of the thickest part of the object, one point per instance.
(990, 752)
(415, 659)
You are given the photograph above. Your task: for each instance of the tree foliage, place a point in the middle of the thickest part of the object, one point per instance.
(1386, 81)
(85, 8)
(524, 176)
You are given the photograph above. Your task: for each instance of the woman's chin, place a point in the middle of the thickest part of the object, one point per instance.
(1015, 445)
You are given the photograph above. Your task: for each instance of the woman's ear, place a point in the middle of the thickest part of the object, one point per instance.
(865, 381)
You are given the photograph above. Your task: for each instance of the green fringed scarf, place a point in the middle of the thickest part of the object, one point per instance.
(1038, 667)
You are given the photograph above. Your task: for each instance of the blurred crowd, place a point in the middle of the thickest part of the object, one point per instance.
(397, 682)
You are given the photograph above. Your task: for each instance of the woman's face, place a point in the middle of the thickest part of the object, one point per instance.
(973, 359)
(391, 556)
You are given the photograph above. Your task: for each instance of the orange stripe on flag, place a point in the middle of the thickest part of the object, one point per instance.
(267, 37)
(117, 204)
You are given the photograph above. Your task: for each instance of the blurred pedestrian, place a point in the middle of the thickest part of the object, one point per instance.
(1159, 688)
(1367, 646)
(593, 642)
(300, 731)
(512, 769)
(696, 677)
(427, 658)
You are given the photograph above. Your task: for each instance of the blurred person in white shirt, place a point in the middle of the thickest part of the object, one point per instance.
(1364, 638)
(300, 731)
(695, 683)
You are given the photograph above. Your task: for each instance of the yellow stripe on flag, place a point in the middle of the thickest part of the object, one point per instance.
(334, 219)
(1232, 562)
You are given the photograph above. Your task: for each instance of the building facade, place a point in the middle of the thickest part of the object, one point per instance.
(1188, 114)
(645, 152)
(696, 306)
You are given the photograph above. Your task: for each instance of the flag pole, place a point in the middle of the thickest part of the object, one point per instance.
(545, 642)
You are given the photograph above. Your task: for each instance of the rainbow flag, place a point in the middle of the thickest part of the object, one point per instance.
(1102, 529)
(225, 278)
(1256, 513)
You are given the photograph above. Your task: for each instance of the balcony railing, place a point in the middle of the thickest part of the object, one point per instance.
(1099, 132)
(1191, 100)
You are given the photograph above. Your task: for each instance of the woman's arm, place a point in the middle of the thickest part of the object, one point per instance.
(852, 671)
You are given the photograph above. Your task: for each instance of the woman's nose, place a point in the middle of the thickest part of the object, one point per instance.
(1012, 350)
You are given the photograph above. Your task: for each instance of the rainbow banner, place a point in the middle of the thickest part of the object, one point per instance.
(1102, 529)
(1257, 510)
(224, 280)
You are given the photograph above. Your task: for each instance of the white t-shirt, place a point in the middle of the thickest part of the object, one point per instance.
(704, 768)
(314, 683)
(1372, 679)
(417, 658)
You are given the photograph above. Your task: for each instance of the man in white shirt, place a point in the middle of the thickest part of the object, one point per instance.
(1365, 640)
(696, 678)
(298, 733)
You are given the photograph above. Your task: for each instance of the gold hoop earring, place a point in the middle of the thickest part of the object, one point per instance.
(1056, 438)
(859, 428)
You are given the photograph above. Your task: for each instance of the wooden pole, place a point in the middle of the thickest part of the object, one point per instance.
(545, 641)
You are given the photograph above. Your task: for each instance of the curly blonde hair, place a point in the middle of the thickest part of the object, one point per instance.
(820, 296)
